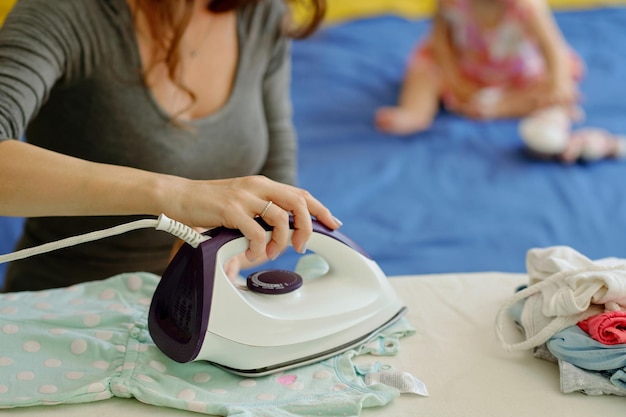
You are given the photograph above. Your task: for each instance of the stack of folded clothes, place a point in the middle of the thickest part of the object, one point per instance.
(573, 312)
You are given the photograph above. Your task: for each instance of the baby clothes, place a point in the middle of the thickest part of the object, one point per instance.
(576, 347)
(564, 288)
(505, 55)
(575, 379)
(608, 328)
(606, 362)
(585, 373)
(90, 342)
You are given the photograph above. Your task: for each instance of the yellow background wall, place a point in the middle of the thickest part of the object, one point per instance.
(5, 6)
(346, 9)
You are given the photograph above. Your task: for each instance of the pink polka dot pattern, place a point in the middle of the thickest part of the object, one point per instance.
(266, 396)
(107, 294)
(197, 406)
(26, 376)
(91, 320)
(92, 344)
(78, 347)
(10, 329)
(6, 311)
(100, 364)
(32, 346)
(52, 363)
(4, 361)
(186, 394)
(74, 375)
(201, 378)
(68, 339)
(48, 389)
(134, 283)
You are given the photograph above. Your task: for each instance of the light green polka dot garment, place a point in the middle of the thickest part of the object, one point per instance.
(90, 342)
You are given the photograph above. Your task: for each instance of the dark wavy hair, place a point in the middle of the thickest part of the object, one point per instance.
(168, 20)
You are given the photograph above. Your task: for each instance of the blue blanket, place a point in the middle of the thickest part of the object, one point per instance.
(463, 197)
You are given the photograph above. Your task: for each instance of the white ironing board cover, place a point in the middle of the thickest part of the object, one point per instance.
(454, 352)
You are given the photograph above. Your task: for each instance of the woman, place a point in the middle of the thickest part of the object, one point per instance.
(140, 107)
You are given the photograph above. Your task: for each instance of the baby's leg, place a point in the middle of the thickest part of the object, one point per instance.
(418, 103)
(510, 102)
(507, 103)
(519, 103)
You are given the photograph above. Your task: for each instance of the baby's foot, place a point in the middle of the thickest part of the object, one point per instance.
(593, 144)
(401, 121)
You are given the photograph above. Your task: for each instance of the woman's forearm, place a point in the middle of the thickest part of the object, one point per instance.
(37, 182)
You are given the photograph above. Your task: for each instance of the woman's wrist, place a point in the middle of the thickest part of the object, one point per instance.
(161, 194)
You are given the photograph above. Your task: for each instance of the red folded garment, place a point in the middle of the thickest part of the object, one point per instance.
(608, 328)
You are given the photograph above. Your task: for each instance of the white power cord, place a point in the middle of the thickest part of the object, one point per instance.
(163, 223)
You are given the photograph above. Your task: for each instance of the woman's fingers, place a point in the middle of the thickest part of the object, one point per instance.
(255, 233)
(276, 216)
(302, 205)
(241, 200)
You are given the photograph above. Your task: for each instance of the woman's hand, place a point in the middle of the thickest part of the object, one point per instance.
(52, 188)
(234, 203)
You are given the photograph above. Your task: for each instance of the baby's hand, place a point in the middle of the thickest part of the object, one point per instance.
(463, 90)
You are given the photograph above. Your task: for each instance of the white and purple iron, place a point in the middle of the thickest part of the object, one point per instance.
(278, 321)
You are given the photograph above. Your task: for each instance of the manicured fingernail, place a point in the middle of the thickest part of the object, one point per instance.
(272, 253)
(302, 249)
(339, 222)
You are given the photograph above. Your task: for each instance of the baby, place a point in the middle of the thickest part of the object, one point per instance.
(485, 59)
(493, 59)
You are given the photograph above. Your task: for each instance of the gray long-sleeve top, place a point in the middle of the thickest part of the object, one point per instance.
(70, 81)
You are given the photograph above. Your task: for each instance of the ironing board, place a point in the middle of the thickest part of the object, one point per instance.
(455, 353)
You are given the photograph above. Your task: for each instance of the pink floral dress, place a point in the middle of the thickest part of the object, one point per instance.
(504, 55)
